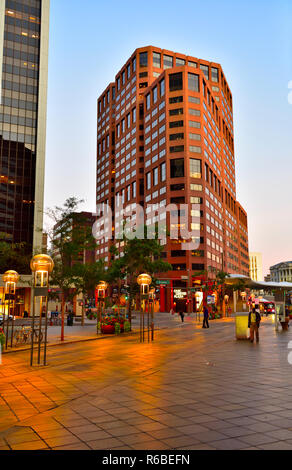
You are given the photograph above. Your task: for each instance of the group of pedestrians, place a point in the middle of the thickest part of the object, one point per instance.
(206, 317)
(254, 321)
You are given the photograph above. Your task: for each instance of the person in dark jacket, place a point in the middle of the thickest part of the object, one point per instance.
(182, 316)
(254, 320)
(206, 317)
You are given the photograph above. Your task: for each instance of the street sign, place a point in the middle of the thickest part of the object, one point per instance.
(160, 282)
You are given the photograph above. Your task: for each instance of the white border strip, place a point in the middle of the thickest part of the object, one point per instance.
(42, 127)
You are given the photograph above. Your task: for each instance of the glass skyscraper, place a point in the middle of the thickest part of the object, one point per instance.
(24, 34)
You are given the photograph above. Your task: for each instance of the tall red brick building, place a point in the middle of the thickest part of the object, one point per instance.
(165, 136)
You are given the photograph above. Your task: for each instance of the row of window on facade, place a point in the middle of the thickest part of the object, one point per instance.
(128, 193)
(170, 62)
(177, 170)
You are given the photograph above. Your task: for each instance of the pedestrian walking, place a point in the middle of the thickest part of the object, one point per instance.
(206, 317)
(254, 320)
(182, 316)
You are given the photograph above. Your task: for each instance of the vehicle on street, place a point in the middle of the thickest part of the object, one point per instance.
(1, 318)
(268, 307)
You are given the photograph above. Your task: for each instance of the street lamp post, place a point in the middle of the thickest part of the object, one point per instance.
(144, 281)
(101, 291)
(10, 279)
(41, 266)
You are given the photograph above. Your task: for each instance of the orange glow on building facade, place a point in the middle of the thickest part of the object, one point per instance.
(165, 135)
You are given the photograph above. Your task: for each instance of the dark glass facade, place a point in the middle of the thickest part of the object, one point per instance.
(18, 119)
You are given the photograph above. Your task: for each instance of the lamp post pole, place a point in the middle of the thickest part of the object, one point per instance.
(41, 266)
(144, 281)
(8, 319)
(10, 279)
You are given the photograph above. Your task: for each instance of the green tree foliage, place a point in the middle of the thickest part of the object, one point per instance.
(139, 256)
(14, 256)
(71, 236)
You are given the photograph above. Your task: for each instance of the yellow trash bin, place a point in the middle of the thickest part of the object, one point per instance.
(241, 325)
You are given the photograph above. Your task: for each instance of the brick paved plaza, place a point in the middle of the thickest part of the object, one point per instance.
(191, 389)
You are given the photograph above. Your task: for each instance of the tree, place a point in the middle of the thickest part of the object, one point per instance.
(15, 256)
(221, 277)
(71, 237)
(86, 280)
(139, 256)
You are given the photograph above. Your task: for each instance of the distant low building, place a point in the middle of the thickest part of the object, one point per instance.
(268, 278)
(256, 266)
(281, 272)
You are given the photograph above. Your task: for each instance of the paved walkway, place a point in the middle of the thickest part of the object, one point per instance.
(191, 389)
(88, 332)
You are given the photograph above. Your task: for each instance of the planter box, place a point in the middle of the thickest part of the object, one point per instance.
(108, 330)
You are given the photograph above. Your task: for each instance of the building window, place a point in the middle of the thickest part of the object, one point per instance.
(118, 130)
(205, 69)
(193, 82)
(195, 149)
(215, 74)
(163, 172)
(177, 168)
(148, 181)
(192, 64)
(162, 88)
(155, 176)
(167, 62)
(148, 102)
(175, 81)
(174, 124)
(177, 149)
(134, 189)
(118, 83)
(176, 99)
(195, 124)
(176, 112)
(114, 94)
(123, 126)
(177, 187)
(134, 65)
(123, 77)
(194, 112)
(156, 60)
(154, 94)
(195, 168)
(128, 120)
(128, 71)
(143, 59)
(193, 136)
(176, 136)
(128, 193)
(180, 62)
(134, 114)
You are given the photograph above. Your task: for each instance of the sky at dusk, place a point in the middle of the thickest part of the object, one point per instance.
(90, 40)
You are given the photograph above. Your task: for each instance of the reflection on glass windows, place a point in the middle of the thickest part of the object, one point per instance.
(205, 69)
(215, 74)
(177, 168)
(156, 60)
(167, 62)
(175, 81)
(143, 59)
(18, 119)
(195, 168)
(193, 82)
